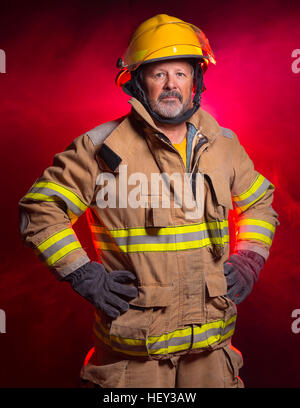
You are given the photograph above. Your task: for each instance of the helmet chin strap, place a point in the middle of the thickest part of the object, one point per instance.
(134, 88)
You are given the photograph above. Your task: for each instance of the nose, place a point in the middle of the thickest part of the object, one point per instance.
(170, 82)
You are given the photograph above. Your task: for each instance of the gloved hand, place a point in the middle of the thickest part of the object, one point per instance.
(241, 272)
(104, 290)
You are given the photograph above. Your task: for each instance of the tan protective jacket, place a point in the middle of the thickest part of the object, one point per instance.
(178, 259)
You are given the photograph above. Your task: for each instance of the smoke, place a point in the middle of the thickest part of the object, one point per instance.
(59, 82)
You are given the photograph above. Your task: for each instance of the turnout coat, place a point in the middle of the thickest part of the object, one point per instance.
(123, 175)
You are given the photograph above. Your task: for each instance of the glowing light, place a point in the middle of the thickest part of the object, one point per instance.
(89, 355)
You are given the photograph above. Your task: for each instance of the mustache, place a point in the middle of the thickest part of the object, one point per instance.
(170, 94)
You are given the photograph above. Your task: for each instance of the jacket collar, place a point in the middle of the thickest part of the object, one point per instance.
(124, 150)
(202, 120)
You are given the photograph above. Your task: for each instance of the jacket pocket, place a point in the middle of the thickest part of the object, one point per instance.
(221, 195)
(153, 296)
(158, 211)
(106, 375)
(233, 361)
(217, 305)
(129, 332)
(216, 302)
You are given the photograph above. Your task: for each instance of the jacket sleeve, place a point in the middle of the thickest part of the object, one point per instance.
(54, 202)
(252, 196)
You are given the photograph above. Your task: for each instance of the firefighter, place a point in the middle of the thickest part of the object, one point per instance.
(165, 286)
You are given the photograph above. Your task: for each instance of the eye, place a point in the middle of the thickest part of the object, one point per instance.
(181, 74)
(159, 75)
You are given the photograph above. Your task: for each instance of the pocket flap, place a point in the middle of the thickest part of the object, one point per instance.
(153, 296)
(221, 189)
(235, 359)
(106, 375)
(158, 217)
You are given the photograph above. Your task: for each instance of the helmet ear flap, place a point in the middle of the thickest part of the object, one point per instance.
(195, 87)
(123, 76)
(198, 66)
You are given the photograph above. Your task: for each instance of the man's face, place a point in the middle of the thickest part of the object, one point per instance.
(168, 86)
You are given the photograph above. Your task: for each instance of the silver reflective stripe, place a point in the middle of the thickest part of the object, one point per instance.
(174, 341)
(198, 336)
(256, 228)
(254, 196)
(169, 238)
(227, 133)
(58, 245)
(121, 346)
(52, 193)
(194, 337)
(101, 132)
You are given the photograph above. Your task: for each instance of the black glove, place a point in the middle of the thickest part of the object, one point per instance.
(104, 290)
(241, 272)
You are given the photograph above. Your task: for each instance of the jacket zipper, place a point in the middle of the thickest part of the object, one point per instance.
(198, 149)
(217, 251)
(162, 138)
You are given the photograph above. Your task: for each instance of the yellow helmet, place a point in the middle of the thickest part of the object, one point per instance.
(163, 37)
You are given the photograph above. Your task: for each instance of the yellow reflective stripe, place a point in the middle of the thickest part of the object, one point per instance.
(62, 252)
(177, 245)
(227, 335)
(40, 197)
(213, 339)
(254, 235)
(183, 333)
(98, 320)
(54, 238)
(130, 342)
(106, 246)
(173, 230)
(231, 320)
(74, 198)
(173, 246)
(167, 337)
(252, 221)
(244, 207)
(170, 349)
(121, 340)
(255, 185)
(128, 352)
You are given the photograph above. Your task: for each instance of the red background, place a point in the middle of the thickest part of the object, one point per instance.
(60, 83)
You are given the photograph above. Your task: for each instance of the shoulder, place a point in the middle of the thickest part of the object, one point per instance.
(212, 127)
(228, 133)
(98, 134)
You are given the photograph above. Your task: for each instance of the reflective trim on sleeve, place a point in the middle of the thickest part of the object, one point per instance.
(258, 188)
(49, 191)
(57, 246)
(253, 229)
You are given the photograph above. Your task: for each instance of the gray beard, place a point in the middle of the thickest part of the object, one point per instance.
(170, 109)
